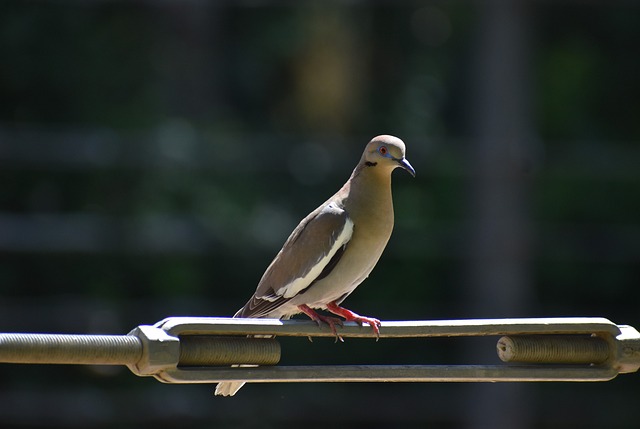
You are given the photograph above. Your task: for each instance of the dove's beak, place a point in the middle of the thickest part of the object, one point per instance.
(404, 164)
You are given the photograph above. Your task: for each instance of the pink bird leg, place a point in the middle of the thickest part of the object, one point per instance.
(319, 319)
(350, 316)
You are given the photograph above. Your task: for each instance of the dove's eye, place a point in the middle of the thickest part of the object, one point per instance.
(383, 150)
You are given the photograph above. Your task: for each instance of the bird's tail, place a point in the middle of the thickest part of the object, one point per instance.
(228, 388)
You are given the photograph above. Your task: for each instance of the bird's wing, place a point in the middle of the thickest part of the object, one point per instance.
(309, 254)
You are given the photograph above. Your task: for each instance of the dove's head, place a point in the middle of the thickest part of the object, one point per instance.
(387, 152)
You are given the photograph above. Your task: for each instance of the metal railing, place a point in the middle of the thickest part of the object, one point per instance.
(202, 350)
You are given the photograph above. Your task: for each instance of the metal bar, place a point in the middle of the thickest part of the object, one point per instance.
(389, 373)
(70, 349)
(556, 349)
(200, 350)
(177, 326)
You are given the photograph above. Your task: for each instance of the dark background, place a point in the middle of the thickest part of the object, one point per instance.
(154, 156)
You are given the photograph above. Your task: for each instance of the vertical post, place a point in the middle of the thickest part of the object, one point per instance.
(498, 269)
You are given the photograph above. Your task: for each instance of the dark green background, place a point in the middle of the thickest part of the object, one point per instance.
(154, 156)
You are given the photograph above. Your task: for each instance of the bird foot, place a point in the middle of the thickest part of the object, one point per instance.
(350, 316)
(320, 320)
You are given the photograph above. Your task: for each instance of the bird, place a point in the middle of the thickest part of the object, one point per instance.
(333, 249)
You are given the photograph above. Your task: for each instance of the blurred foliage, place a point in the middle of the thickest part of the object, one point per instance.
(155, 155)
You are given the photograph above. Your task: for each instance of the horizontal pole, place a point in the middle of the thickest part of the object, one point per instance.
(177, 326)
(389, 373)
(202, 350)
(70, 349)
(77, 349)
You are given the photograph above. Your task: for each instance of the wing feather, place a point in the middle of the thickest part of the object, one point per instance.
(310, 253)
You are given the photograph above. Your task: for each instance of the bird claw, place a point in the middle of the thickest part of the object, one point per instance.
(331, 322)
(323, 320)
(350, 316)
(374, 323)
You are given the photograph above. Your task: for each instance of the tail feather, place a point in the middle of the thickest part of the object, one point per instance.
(228, 388)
